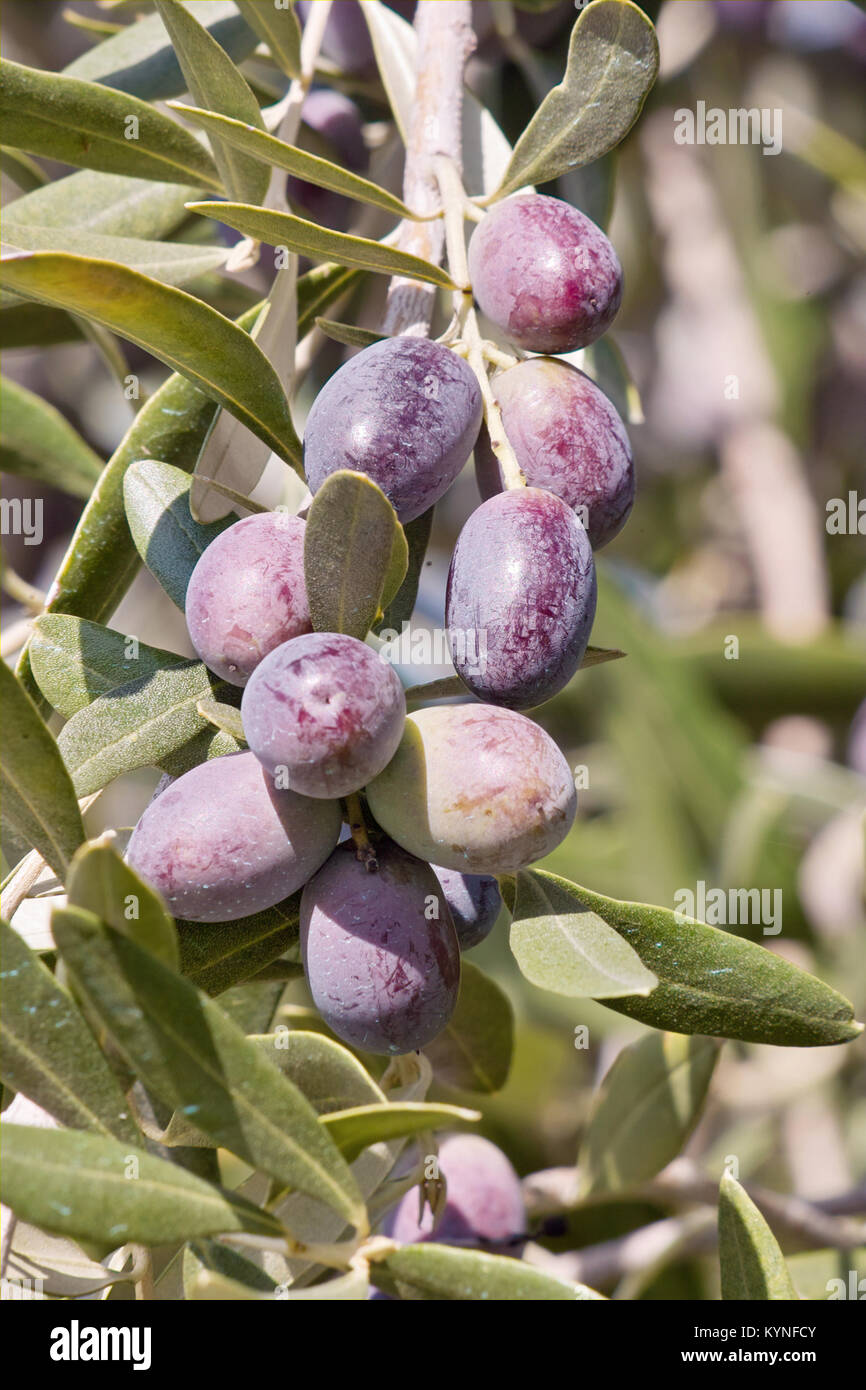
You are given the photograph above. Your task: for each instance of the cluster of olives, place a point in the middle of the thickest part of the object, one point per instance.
(455, 794)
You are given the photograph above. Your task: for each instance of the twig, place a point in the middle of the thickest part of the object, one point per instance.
(466, 320)
(810, 1225)
(445, 42)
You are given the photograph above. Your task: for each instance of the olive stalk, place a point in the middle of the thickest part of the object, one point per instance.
(466, 319)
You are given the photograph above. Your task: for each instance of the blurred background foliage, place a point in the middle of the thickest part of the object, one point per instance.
(727, 748)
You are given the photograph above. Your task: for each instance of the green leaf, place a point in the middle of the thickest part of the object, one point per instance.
(102, 883)
(714, 983)
(223, 954)
(224, 717)
(34, 325)
(355, 554)
(613, 60)
(562, 945)
(185, 1049)
(37, 442)
(166, 537)
(596, 656)
(648, 1105)
(48, 1053)
(230, 1267)
(84, 124)
(103, 1190)
(74, 660)
(172, 263)
(473, 1051)
(446, 688)
(752, 1263)
(402, 606)
(319, 288)
(106, 204)
(24, 172)
(443, 1272)
(320, 243)
(347, 333)
(604, 362)
(280, 30)
(215, 83)
(38, 798)
(330, 1076)
(356, 1129)
(136, 725)
(278, 154)
(141, 60)
(211, 351)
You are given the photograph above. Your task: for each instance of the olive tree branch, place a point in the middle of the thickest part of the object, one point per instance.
(445, 42)
(812, 1225)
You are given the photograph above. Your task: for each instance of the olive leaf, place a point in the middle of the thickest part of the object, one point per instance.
(753, 1266)
(402, 606)
(319, 288)
(612, 64)
(230, 1267)
(216, 83)
(105, 1190)
(59, 1067)
(330, 1076)
(714, 983)
(443, 1272)
(172, 263)
(320, 243)
(561, 944)
(189, 1054)
(24, 172)
(348, 333)
(355, 554)
(104, 204)
(356, 1129)
(648, 1105)
(166, 537)
(604, 362)
(224, 717)
(140, 58)
(85, 124)
(75, 660)
(38, 797)
(214, 353)
(37, 442)
(473, 1052)
(138, 725)
(225, 954)
(324, 173)
(278, 26)
(102, 883)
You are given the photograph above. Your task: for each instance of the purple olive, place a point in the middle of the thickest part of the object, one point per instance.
(475, 788)
(247, 594)
(405, 411)
(544, 273)
(323, 714)
(474, 901)
(521, 598)
(221, 842)
(380, 950)
(484, 1206)
(568, 439)
(338, 120)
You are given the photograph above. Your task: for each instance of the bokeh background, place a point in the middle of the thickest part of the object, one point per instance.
(729, 746)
